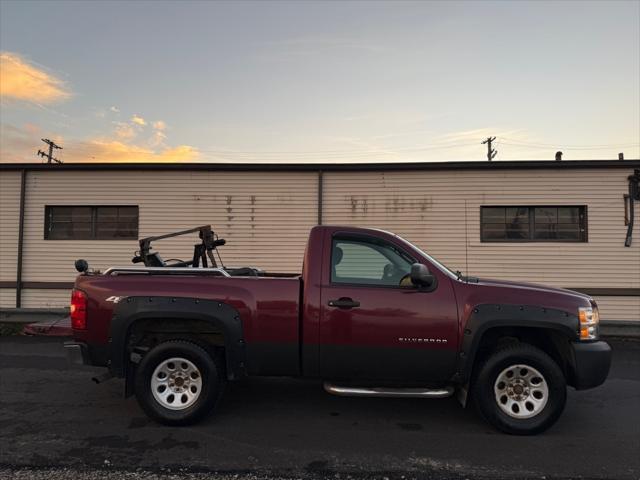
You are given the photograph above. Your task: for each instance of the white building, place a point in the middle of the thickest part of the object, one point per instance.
(562, 223)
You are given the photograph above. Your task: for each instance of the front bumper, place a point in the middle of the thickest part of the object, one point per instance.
(590, 364)
(77, 353)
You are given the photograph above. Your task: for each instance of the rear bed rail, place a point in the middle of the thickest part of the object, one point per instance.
(167, 271)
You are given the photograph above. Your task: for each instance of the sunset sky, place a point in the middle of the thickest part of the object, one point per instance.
(319, 81)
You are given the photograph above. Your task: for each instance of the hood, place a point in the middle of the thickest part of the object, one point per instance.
(478, 291)
(532, 287)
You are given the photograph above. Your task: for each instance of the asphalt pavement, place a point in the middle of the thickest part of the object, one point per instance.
(56, 423)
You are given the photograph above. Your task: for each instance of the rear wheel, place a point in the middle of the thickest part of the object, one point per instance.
(178, 383)
(519, 389)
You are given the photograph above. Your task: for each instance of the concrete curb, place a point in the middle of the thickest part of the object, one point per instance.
(32, 315)
(620, 329)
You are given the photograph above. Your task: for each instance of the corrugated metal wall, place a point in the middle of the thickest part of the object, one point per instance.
(431, 209)
(9, 221)
(265, 217)
(440, 212)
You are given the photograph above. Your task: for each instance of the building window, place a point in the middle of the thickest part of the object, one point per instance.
(533, 224)
(91, 223)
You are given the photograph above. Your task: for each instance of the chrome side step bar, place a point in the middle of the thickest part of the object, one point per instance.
(388, 392)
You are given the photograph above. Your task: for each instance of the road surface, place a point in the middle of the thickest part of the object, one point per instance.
(54, 420)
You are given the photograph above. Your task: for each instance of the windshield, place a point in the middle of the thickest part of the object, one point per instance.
(441, 266)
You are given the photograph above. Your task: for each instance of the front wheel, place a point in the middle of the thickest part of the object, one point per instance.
(520, 390)
(178, 383)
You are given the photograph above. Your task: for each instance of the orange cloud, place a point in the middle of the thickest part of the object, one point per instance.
(115, 151)
(157, 139)
(124, 131)
(138, 120)
(159, 125)
(23, 81)
(20, 144)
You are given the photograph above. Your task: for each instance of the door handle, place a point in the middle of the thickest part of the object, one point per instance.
(344, 302)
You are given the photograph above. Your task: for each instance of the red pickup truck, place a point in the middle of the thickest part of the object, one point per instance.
(371, 315)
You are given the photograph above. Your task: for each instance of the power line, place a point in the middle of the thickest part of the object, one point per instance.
(386, 150)
(49, 156)
(581, 146)
(88, 147)
(92, 150)
(539, 146)
(576, 147)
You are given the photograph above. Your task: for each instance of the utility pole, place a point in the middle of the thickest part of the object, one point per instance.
(49, 156)
(491, 153)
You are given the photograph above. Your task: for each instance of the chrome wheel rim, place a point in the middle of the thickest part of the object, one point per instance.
(521, 391)
(176, 383)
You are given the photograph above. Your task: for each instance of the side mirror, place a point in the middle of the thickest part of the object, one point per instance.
(420, 276)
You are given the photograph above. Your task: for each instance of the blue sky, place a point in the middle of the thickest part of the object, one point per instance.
(320, 81)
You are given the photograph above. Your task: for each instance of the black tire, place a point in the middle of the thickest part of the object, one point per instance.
(210, 387)
(488, 400)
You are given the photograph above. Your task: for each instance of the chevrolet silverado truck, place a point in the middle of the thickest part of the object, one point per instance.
(370, 315)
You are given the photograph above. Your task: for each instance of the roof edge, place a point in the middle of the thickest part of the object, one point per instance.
(328, 167)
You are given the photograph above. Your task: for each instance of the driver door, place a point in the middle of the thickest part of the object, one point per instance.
(375, 325)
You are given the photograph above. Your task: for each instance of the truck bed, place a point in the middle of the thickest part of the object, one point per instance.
(268, 306)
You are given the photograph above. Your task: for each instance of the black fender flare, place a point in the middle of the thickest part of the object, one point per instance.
(219, 315)
(487, 316)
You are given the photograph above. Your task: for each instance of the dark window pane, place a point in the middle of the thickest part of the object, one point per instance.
(70, 214)
(60, 214)
(493, 214)
(130, 213)
(494, 231)
(116, 230)
(558, 232)
(544, 232)
(517, 232)
(505, 223)
(128, 222)
(546, 223)
(569, 232)
(520, 214)
(568, 215)
(106, 230)
(517, 223)
(128, 229)
(117, 222)
(70, 231)
(68, 223)
(546, 215)
(82, 231)
(89, 223)
(107, 214)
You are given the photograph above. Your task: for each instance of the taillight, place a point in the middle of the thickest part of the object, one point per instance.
(78, 310)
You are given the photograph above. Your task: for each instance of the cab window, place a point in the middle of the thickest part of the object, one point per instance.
(365, 262)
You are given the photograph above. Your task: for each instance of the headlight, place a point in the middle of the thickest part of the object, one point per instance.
(589, 323)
